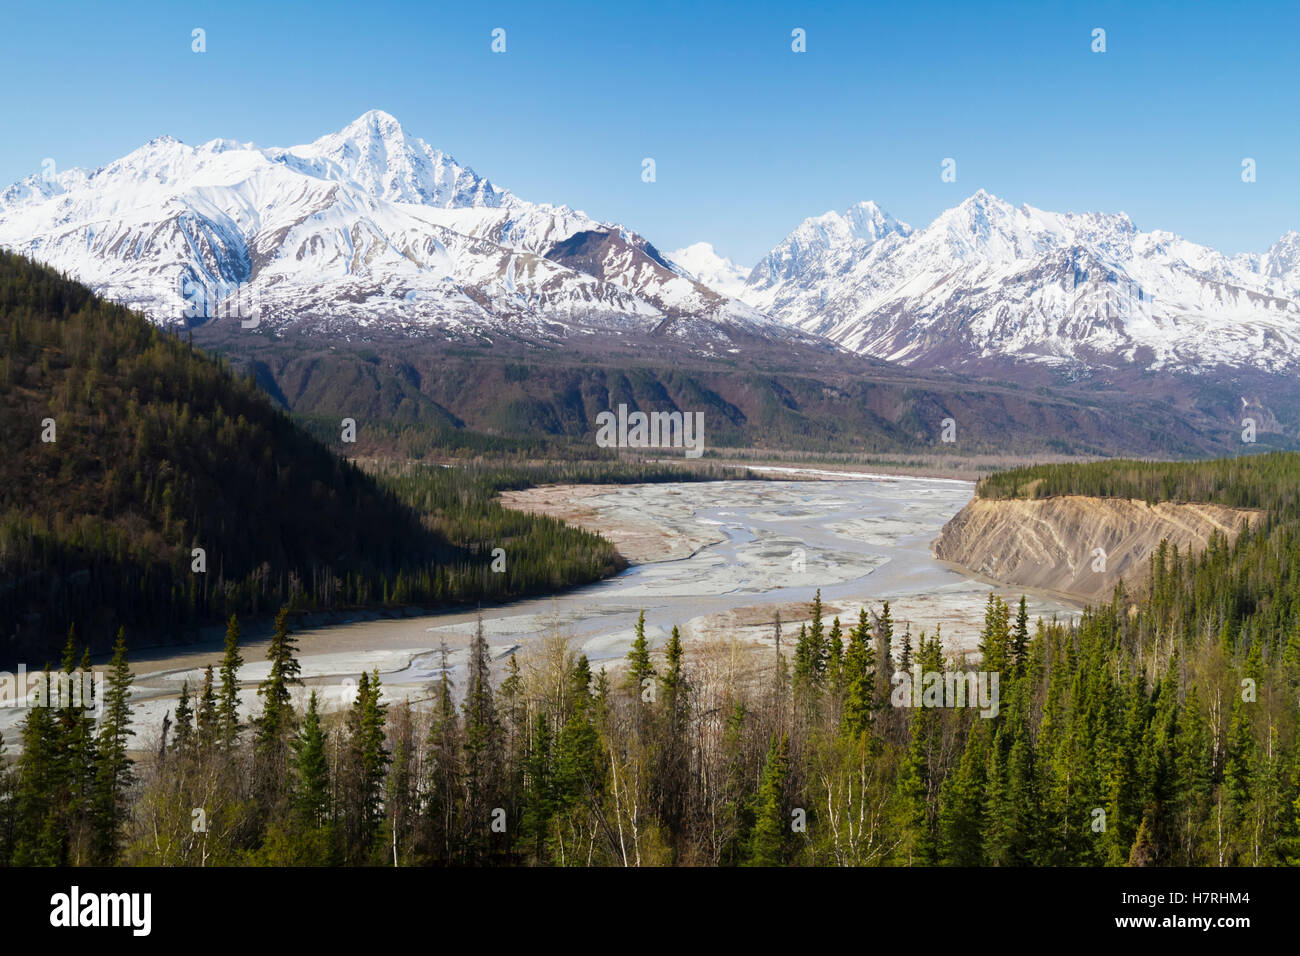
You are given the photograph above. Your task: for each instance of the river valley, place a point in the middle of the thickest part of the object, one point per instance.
(717, 559)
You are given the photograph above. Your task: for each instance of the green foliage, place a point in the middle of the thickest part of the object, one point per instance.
(1158, 729)
(771, 825)
(161, 449)
(311, 792)
(277, 713)
(640, 669)
(1270, 481)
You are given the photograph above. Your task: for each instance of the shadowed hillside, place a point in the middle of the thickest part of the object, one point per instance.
(152, 449)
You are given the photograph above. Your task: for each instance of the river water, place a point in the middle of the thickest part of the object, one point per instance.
(746, 548)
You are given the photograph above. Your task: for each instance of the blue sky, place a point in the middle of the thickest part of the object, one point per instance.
(748, 137)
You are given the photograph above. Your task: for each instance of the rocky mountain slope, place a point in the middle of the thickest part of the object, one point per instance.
(988, 284)
(364, 229)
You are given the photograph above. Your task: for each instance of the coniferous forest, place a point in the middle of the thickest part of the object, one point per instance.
(127, 450)
(1159, 730)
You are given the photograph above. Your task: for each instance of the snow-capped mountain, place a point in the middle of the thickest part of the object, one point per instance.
(701, 262)
(820, 248)
(365, 228)
(989, 281)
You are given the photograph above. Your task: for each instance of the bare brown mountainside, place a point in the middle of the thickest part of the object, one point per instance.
(796, 396)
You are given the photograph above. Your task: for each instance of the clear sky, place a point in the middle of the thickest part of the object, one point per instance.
(748, 136)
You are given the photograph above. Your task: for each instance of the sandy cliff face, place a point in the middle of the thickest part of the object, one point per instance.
(1051, 543)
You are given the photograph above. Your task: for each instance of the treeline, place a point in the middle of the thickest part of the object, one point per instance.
(142, 484)
(395, 438)
(1270, 481)
(1143, 735)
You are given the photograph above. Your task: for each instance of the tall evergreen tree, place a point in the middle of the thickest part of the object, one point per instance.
(771, 825)
(40, 839)
(859, 667)
(277, 700)
(1020, 638)
(312, 790)
(482, 747)
(228, 700)
(640, 669)
(539, 796)
(183, 735)
(443, 800)
(368, 759)
(114, 774)
(207, 722)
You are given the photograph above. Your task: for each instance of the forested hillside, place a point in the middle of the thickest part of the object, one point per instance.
(1161, 729)
(1270, 481)
(125, 450)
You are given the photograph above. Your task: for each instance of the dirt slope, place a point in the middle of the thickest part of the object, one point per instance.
(1050, 543)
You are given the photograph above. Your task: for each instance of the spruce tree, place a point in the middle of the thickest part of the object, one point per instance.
(817, 643)
(673, 684)
(311, 791)
(40, 838)
(672, 766)
(640, 669)
(368, 759)
(113, 773)
(917, 847)
(76, 725)
(994, 645)
(277, 701)
(961, 802)
(577, 780)
(771, 826)
(804, 658)
(884, 670)
(443, 802)
(539, 801)
(835, 658)
(859, 664)
(207, 723)
(183, 737)
(1020, 638)
(228, 700)
(482, 747)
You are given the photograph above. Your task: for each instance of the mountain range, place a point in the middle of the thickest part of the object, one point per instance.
(362, 229)
(371, 234)
(989, 281)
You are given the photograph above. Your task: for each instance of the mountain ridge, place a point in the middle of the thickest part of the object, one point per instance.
(988, 282)
(363, 228)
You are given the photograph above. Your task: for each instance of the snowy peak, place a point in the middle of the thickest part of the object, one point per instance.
(375, 152)
(700, 262)
(869, 223)
(1282, 261)
(986, 228)
(369, 228)
(374, 124)
(823, 246)
(989, 282)
(863, 223)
